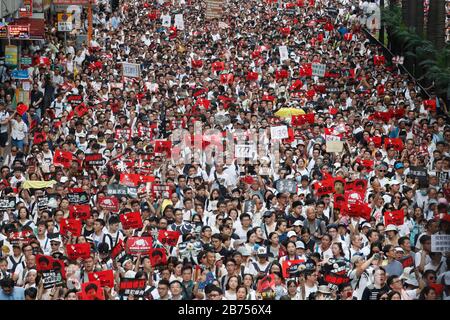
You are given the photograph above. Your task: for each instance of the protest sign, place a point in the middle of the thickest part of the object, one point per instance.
(249, 206)
(179, 21)
(131, 70)
(124, 134)
(136, 245)
(440, 243)
(7, 203)
(78, 198)
(19, 238)
(169, 238)
(279, 132)
(82, 212)
(131, 220)
(420, 173)
(396, 217)
(245, 151)
(109, 203)
(119, 190)
(166, 20)
(158, 256)
(267, 283)
(92, 290)
(213, 9)
(70, 225)
(284, 54)
(286, 185)
(161, 191)
(94, 159)
(135, 287)
(52, 270)
(105, 277)
(291, 268)
(78, 250)
(334, 146)
(63, 158)
(318, 69)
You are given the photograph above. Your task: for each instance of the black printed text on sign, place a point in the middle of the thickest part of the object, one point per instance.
(286, 185)
(169, 238)
(135, 287)
(94, 159)
(131, 70)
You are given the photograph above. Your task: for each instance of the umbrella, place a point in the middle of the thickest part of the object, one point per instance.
(289, 112)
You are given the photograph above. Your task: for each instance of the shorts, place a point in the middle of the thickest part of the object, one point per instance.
(3, 139)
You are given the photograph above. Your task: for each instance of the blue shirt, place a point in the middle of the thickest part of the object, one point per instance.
(18, 293)
(394, 268)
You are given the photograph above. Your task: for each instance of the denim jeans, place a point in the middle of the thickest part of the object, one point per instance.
(17, 143)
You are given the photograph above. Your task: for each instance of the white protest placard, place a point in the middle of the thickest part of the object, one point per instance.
(440, 243)
(279, 132)
(215, 37)
(335, 146)
(223, 25)
(65, 26)
(179, 21)
(330, 137)
(284, 54)
(245, 151)
(166, 20)
(131, 70)
(318, 69)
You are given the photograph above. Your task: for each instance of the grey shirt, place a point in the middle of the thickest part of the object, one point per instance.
(394, 268)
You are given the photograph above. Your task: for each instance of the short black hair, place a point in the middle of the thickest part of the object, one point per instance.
(91, 286)
(101, 221)
(31, 292)
(425, 238)
(164, 282)
(210, 288)
(7, 283)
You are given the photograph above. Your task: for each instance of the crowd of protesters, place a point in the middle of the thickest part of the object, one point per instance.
(238, 233)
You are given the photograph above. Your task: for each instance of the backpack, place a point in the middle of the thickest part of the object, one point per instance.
(223, 191)
(15, 264)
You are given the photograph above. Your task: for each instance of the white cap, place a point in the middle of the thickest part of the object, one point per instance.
(291, 234)
(261, 251)
(299, 245)
(366, 224)
(298, 223)
(392, 182)
(391, 227)
(399, 249)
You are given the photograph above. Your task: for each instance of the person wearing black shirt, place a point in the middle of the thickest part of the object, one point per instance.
(37, 100)
(309, 243)
(379, 285)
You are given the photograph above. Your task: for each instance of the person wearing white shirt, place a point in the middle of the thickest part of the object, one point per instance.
(18, 131)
